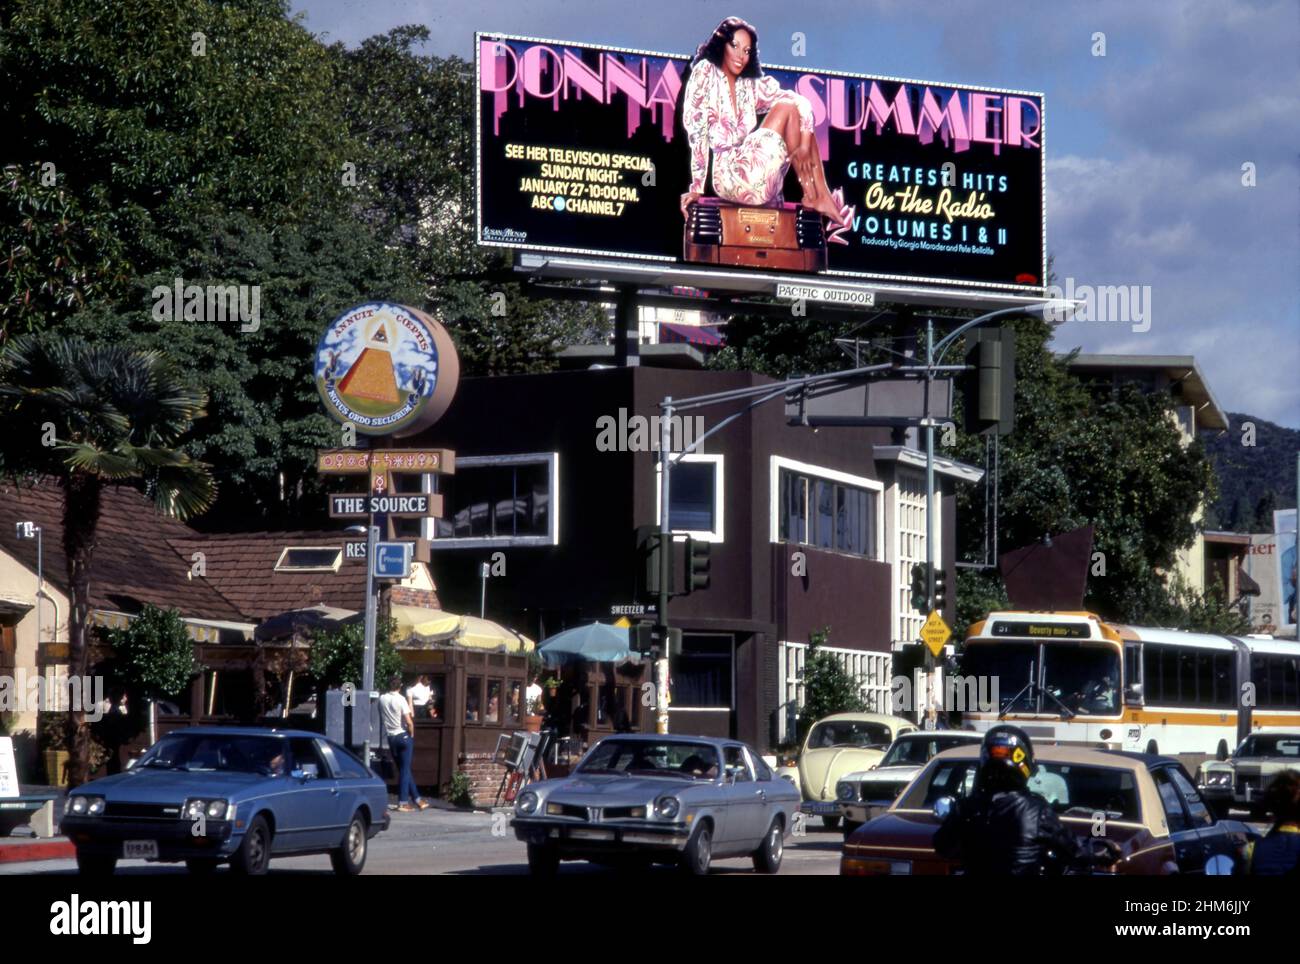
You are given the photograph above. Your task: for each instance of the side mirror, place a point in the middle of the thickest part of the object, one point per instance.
(1133, 694)
(308, 771)
(130, 763)
(732, 772)
(942, 807)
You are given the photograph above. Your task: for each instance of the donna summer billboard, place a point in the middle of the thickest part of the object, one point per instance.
(721, 157)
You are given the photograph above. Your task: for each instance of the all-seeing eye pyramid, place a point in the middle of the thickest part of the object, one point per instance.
(371, 376)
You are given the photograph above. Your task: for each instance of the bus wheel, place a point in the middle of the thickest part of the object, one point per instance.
(1152, 748)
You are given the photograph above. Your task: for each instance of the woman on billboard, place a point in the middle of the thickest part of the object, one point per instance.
(724, 96)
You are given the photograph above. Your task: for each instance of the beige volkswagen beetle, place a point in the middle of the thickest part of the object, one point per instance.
(839, 744)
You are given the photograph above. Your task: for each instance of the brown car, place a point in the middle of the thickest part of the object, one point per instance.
(1145, 803)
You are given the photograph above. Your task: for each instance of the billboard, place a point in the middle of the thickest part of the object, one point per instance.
(1271, 562)
(589, 150)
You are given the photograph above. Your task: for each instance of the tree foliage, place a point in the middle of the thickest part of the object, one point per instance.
(154, 655)
(338, 655)
(827, 686)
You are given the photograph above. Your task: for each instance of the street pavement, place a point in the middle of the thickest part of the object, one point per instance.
(438, 841)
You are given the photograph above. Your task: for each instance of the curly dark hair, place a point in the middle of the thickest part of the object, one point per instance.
(1283, 797)
(711, 49)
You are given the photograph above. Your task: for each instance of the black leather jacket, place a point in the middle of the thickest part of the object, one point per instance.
(1008, 833)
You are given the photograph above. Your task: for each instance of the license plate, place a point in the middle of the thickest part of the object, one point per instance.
(140, 849)
(821, 808)
(591, 834)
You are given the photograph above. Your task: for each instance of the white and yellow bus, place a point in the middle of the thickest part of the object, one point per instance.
(1071, 677)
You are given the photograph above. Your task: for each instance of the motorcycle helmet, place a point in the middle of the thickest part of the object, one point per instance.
(1007, 755)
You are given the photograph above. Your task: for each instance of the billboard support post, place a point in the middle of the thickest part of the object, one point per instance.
(627, 329)
(931, 722)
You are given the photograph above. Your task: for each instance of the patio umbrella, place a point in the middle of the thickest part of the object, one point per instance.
(597, 643)
(306, 620)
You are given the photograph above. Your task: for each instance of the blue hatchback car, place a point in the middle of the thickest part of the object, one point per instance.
(207, 795)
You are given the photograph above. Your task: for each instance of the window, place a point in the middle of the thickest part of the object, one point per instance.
(346, 765)
(762, 772)
(1276, 680)
(499, 500)
(1200, 814)
(1187, 676)
(734, 756)
(824, 512)
(305, 754)
(695, 498)
(701, 674)
(309, 559)
(1171, 801)
(474, 699)
(493, 714)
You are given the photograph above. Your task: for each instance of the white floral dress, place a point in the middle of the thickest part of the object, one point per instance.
(749, 162)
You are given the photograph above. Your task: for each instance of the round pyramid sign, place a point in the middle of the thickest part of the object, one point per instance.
(388, 369)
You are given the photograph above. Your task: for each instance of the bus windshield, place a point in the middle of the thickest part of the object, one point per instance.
(1077, 679)
(1083, 678)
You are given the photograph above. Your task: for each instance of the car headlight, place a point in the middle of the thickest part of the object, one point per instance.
(844, 791)
(668, 807)
(84, 806)
(198, 809)
(216, 809)
(527, 802)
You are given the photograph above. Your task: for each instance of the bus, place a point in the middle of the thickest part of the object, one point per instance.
(1071, 677)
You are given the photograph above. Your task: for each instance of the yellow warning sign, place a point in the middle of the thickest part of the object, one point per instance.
(623, 622)
(935, 632)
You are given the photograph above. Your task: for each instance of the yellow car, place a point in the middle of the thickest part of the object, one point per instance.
(840, 744)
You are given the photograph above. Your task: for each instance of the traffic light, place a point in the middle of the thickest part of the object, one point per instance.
(647, 548)
(697, 564)
(989, 390)
(646, 638)
(940, 589)
(920, 592)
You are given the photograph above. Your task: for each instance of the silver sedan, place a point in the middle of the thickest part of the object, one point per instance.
(648, 798)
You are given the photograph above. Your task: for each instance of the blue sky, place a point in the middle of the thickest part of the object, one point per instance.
(1145, 145)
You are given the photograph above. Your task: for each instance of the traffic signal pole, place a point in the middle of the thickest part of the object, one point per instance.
(930, 720)
(660, 655)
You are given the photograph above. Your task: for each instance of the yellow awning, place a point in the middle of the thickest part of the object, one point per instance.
(485, 634)
(439, 626)
(426, 625)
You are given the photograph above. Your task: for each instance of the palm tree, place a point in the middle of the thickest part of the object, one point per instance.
(93, 416)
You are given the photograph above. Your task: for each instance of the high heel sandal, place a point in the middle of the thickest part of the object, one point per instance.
(836, 235)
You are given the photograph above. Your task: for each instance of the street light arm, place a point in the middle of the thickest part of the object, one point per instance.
(947, 341)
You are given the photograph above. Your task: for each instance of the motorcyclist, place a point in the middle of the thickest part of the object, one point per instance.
(1001, 828)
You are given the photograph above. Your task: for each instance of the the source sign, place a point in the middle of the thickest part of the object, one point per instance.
(360, 505)
(586, 149)
(386, 369)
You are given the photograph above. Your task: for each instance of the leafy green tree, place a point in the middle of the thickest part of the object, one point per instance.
(154, 655)
(110, 416)
(827, 686)
(139, 117)
(266, 420)
(338, 655)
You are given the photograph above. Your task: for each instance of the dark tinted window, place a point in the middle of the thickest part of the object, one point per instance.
(691, 497)
(1171, 800)
(1200, 814)
(305, 753)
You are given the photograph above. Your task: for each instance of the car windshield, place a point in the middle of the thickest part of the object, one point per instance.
(661, 758)
(849, 733)
(197, 752)
(1270, 745)
(1072, 790)
(913, 751)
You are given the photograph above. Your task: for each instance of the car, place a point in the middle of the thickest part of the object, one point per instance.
(1241, 780)
(642, 798)
(864, 794)
(208, 795)
(838, 744)
(1145, 803)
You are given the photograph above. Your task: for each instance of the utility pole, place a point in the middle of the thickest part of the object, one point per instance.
(660, 654)
(931, 722)
(368, 660)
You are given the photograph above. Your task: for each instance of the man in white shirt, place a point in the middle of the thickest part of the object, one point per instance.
(419, 695)
(399, 729)
(533, 698)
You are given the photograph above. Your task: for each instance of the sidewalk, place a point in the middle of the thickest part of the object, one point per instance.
(24, 845)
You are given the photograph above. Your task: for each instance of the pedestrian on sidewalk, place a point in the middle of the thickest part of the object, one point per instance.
(399, 728)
